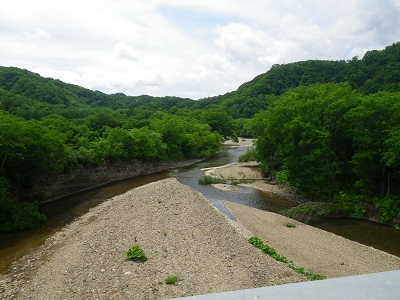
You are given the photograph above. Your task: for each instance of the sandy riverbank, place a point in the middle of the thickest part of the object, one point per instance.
(181, 233)
(250, 171)
(320, 251)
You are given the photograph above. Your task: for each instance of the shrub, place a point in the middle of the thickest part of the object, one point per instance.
(220, 179)
(350, 204)
(172, 279)
(388, 206)
(308, 211)
(136, 253)
(250, 155)
(282, 177)
(206, 179)
(16, 216)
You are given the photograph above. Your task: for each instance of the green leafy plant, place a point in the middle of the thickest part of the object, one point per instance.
(173, 279)
(290, 225)
(258, 243)
(388, 206)
(241, 180)
(308, 211)
(15, 216)
(136, 253)
(250, 155)
(207, 179)
(350, 204)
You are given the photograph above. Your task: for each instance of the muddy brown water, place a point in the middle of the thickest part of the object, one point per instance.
(63, 211)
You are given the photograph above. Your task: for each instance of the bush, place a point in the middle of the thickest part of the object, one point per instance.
(282, 177)
(17, 216)
(206, 179)
(308, 211)
(136, 253)
(172, 279)
(250, 155)
(388, 206)
(350, 204)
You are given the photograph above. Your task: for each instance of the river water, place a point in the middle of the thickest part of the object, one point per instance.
(65, 210)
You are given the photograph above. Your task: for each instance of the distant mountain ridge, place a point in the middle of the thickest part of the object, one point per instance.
(378, 70)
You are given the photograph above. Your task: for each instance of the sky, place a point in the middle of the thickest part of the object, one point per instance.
(185, 48)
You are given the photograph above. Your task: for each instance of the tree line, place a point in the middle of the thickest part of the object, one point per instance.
(327, 128)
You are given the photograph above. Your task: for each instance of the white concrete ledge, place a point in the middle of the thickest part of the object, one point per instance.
(376, 286)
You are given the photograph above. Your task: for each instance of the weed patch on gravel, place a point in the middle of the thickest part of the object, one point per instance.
(258, 243)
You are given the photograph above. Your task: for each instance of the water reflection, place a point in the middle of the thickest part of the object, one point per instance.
(376, 235)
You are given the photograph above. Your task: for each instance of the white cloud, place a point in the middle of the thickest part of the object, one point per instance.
(185, 48)
(125, 51)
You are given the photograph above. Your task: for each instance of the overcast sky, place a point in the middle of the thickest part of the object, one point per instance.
(186, 48)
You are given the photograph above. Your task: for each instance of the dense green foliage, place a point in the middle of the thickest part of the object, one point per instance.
(48, 127)
(326, 139)
(377, 71)
(324, 127)
(16, 216)
(220, 179)
(332, 132)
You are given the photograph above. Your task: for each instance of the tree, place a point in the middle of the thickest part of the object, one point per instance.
(299, 132)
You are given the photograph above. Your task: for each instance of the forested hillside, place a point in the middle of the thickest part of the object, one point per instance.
(337, 141)
(325, 127)
(378, 70)
(48, 127)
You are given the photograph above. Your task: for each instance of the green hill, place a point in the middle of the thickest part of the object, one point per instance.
(324, 127)
(378, 70)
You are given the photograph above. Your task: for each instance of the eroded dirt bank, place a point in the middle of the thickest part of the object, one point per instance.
(48, 188)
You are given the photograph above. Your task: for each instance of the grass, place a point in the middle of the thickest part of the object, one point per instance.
(207, 179)
(290, 225)
(173, 279)
(257, 242)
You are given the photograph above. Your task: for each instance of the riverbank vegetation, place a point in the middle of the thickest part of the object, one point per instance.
(219, 179)
(326, 128)
(332, 142)
(258, 243)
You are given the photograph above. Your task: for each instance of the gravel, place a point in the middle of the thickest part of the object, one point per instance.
(181, 234)
(320, 251)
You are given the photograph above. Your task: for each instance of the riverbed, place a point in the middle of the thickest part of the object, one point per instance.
(183, 235)
(65, 210)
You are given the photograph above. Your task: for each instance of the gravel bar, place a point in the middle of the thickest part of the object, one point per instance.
(181, 234)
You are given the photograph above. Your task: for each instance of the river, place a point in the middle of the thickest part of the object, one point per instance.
(65, 210)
